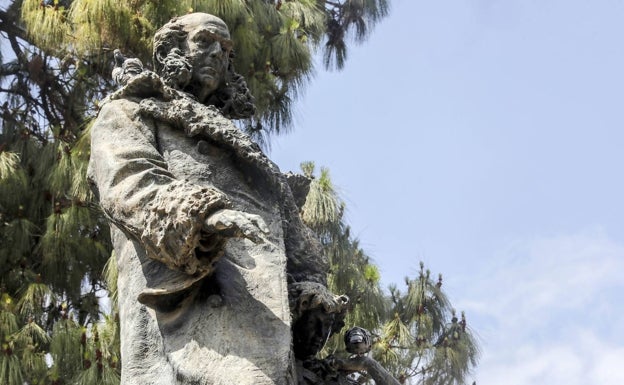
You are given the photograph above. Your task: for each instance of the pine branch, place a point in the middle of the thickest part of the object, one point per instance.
(337, 5)
(9, 25)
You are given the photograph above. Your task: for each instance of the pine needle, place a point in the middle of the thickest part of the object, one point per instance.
(33, 334)
(10, 370)
(8, 321)
(321, 208)
(31, 303)
(9, 165)
(110, 276)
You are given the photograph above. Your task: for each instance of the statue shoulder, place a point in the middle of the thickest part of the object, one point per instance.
(121, 115)
(147, 84)
(118, 109)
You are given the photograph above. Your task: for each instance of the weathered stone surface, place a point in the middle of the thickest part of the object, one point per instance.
(300, 186)
(220, 282)
(204, 227)
(160, 191)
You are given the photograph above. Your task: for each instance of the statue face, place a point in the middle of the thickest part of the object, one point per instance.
(208, 51)
(310, 333)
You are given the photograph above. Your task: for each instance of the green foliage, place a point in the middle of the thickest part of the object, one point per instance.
(351, 272)
(419, 342)
(54, 246)
(274, 41)
(417, 336)
(65, 347)
(347, 18)
(110, 277)
(10, 368)
(54, 68)
(100, 355)
(55, 259)
(273, 46)
(322, 210)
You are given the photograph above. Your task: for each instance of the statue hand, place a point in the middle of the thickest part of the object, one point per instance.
(235, 224)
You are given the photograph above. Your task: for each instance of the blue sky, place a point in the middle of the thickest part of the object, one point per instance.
(485, 138)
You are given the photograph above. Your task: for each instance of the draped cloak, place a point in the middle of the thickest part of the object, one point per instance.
(160, 166)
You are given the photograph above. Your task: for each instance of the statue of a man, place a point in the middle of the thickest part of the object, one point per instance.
(205, 228)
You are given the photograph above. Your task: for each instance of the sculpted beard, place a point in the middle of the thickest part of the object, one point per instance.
(176, 69)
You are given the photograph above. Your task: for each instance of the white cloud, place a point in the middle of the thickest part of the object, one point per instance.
(583, 358)
(548, 312)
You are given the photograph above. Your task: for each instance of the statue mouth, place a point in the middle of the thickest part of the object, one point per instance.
(207, 70)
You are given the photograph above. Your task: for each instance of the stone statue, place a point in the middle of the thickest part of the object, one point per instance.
(317, 314)
(212, 254)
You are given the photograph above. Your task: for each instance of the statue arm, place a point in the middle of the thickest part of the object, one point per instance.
(306, 261)
(140, 195)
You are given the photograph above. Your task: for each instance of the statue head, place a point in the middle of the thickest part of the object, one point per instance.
(317, 314)
(193, 53)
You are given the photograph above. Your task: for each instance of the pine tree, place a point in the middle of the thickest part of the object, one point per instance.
(351, 271)
(55, 243)
(54, 239)
(417, 334)
(274, 40)
(422, 340)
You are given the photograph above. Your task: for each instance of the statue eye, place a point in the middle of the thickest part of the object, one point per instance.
(205, 42)
(203, 39)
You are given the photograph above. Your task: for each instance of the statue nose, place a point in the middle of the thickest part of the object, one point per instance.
(215, 49)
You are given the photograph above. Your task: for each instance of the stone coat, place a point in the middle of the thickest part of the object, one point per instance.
(160, 166)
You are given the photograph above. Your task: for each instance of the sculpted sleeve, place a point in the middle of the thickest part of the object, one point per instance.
(140, 195)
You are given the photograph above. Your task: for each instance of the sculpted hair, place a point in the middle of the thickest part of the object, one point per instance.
(232, 98)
